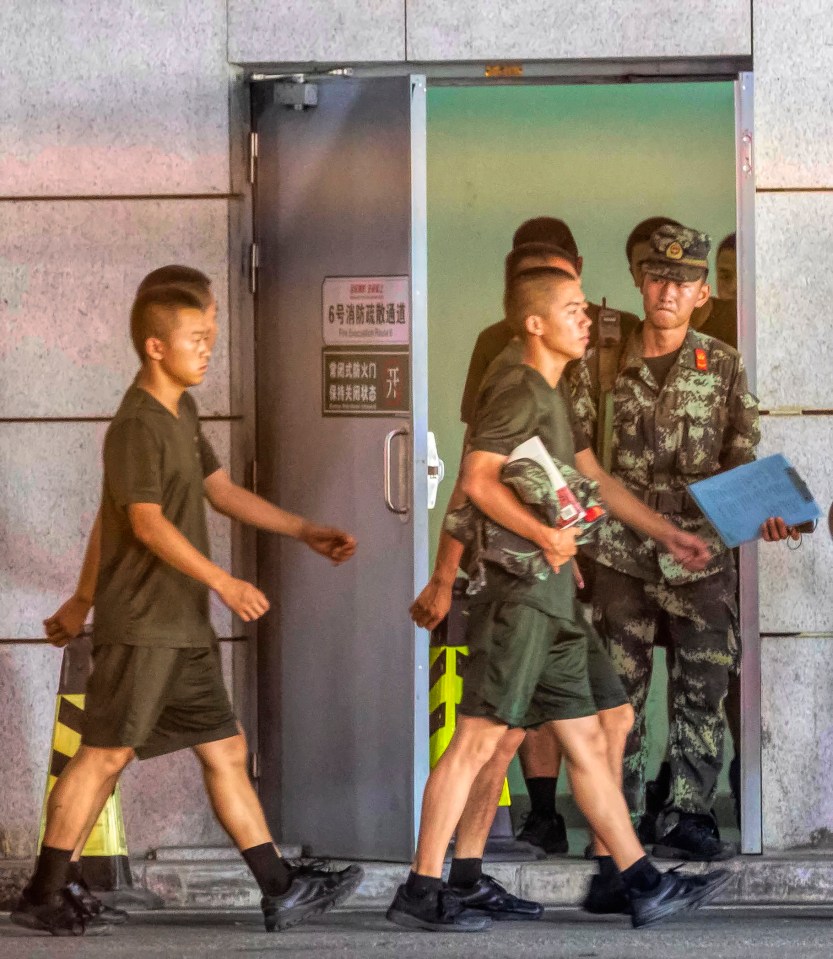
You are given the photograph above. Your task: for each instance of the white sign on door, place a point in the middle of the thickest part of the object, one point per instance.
(366, 311)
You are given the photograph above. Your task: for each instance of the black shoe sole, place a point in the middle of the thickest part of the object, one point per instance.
(407, 921)
(299, 914)
(710, 892)
(32, 923)
(681, 908)
(685, 855)
(508, 916)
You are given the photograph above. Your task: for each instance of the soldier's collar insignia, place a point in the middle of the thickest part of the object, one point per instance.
(674, 251)
(701, 360)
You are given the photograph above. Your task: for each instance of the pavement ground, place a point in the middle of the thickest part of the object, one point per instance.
(717, 933)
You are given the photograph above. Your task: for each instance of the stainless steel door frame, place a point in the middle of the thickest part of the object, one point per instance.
(750, 696)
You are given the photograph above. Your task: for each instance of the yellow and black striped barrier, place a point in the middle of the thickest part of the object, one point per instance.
(446, 691)
(104, 860)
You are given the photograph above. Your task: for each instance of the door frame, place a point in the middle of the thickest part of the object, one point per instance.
(607, 72)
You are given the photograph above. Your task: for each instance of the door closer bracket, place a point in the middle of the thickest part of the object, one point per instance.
(296, 93)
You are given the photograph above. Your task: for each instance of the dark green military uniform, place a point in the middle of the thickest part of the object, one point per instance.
(527, 661)
(700, 421)
(156, 685)
(607, 689)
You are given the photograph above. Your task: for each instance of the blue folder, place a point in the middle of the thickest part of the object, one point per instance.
(738, 501)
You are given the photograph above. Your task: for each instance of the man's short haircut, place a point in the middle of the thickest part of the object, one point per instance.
(176, 274)
(155, 313)
(531, 251)
(727, 243)
(530, 293)
(643, 231)
(185, 277)
(547, 229)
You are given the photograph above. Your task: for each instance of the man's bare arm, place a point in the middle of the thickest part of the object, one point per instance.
(483, 486)
(68, 621)
(232, 500)
(689, 549)
(167, 542)
(433, 603)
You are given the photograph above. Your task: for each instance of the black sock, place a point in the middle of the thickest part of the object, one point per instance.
(271, 872)
(641, 876)
(74, 873)
(421, 886)
(607, 867)
(50, 873)
(541, 791)
(465, 872)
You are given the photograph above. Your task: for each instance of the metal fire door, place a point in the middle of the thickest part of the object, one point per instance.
(341, 407)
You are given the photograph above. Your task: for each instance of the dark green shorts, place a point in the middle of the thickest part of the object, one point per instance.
(525, 668)
(608, 691)
(156, 700)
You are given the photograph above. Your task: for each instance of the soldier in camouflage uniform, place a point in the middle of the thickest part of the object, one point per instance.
(682, 412)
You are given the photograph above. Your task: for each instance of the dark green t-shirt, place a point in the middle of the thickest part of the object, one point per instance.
(151, 456)
(516, 404)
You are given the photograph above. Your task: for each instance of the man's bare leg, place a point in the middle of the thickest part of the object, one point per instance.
(597, 790)
(540, 753)
(233, 798)
(77, 793)
(72, 802)
(472, 746)
(616, 724)
(101, 801)
(484, 796)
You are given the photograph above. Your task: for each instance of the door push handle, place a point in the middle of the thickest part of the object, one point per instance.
(399, 510)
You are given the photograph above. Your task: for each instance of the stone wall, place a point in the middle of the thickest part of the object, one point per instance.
(115, 160)
(793, 56)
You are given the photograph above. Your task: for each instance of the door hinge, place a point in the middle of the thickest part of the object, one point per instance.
(253, 265)
(746, 161)
(253, 141)
(254, 765)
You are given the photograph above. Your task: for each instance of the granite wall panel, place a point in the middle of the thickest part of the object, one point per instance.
(116, 98)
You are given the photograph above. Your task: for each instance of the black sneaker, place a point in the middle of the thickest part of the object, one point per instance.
(441, 913)
(311, 892)
(694, 839)
(89, 905)
(488, 897)
(58, 916)
(343, 882)
(548, 834)
(674, 896)
(606, 896)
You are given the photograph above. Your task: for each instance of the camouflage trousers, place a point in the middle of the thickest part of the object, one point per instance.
(697, 619)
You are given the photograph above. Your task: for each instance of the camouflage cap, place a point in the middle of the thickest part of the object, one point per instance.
(677, 253)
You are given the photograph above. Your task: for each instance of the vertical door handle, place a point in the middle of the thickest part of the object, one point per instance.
(399, 510)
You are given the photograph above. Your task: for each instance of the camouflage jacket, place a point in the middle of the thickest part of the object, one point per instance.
(488, 542)
(703, 420)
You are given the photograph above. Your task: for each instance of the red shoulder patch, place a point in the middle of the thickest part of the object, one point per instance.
(701, 360)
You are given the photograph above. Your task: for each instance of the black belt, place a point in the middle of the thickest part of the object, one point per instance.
(680, 501)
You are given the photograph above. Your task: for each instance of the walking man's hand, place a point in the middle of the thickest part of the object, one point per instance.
(242, 598)
(67, 622)
(335, 544)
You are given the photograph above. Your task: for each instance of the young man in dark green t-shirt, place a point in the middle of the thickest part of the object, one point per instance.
(157, 684)
(528, 653)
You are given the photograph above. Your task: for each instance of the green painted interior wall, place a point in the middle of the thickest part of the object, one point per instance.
(601, 157)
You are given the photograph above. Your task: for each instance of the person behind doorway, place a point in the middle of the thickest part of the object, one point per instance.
(157, 685)
(683, 412)
(528, 638)
(717, 318)
(540, 754)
